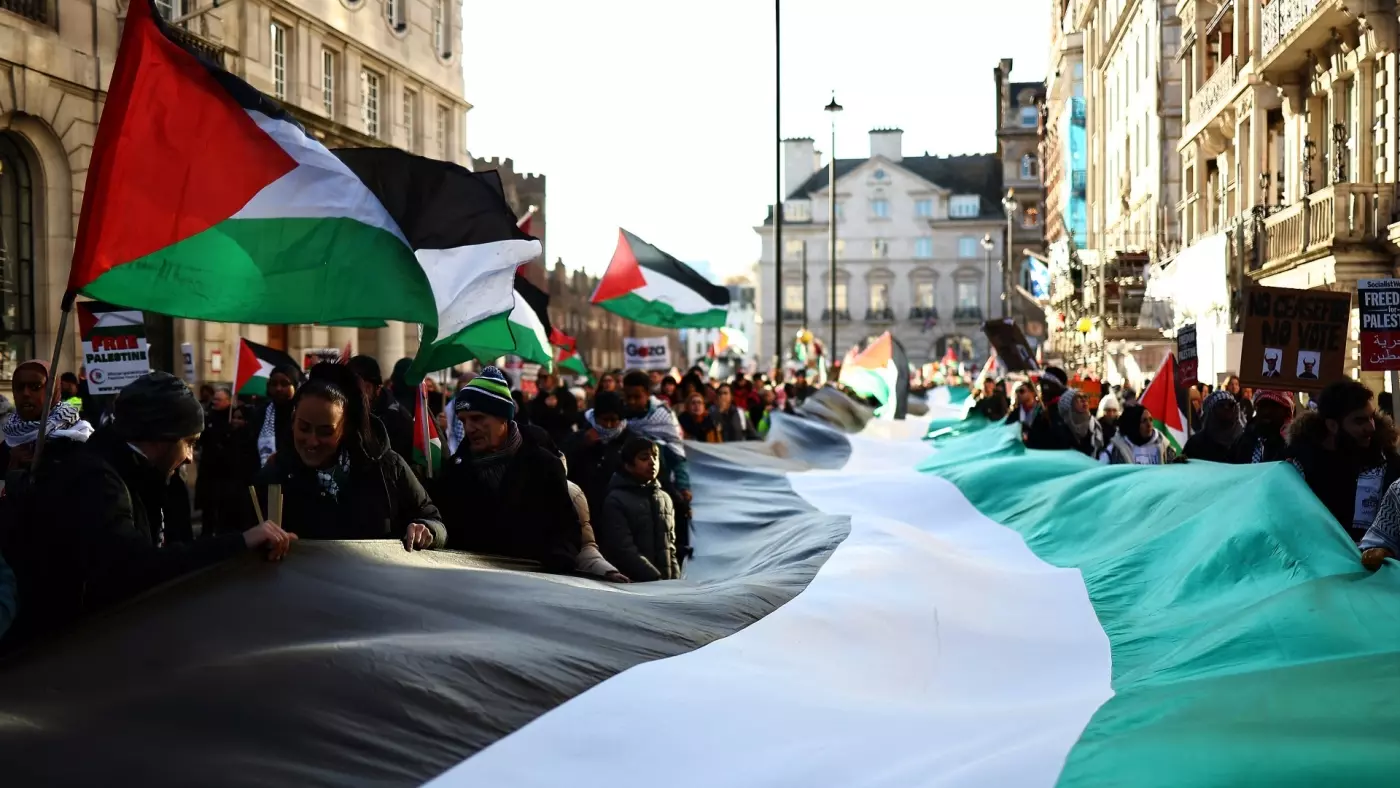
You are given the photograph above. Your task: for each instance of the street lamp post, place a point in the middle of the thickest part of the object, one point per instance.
(987, 245)
(833, 108)
(778, 184)
(1009, 204)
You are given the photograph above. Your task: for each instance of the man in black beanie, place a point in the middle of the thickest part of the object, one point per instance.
(383, 406)
(103, 511)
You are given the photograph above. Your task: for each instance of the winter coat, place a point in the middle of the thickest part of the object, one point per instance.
(398, 423)
(1258, 443)
(1338, 483)
(103, 538)
(592, 465)
(705, 430)
(1122, 451)
(590, 559)
(379, 500)
(637, 530)
(221, 489)
(1201, 447)
(734, 425)
(529, 515)
(1046, 430)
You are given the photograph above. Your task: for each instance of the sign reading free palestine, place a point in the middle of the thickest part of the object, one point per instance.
(114, 346)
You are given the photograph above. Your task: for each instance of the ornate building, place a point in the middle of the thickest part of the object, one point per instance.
(353, 72)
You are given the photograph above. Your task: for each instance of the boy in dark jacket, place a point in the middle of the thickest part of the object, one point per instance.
(637, 530)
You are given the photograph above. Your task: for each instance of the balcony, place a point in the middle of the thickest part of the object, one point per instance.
(921, 314)
(967, 314)
(41, 11)
(790, 315)
(1281, 18)
(1343, 213)
(842, 315)
(199, 45)
(1215, 90)
(885, 315)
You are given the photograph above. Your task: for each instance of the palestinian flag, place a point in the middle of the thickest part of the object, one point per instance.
(524, 331)
(653, 288)
(571, 361)
(427, 444)
(871, 372)
(1160, 400)
(205, 200)
(253, 366)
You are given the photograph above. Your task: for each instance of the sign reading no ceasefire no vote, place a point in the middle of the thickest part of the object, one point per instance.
(1294, 340)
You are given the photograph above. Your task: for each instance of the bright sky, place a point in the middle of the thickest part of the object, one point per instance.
(657, 115)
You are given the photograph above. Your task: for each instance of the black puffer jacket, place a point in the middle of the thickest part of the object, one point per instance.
(637, 530)
(380, 499)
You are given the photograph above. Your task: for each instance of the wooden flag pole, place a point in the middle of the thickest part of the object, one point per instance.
(67, 311)
(427, 444)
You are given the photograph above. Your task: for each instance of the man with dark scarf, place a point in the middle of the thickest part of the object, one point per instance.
(1079, 429)
(1136, 440)
(502, 493)
(594, 455)
(1220, 428)
(1263, 437)
(103, 538)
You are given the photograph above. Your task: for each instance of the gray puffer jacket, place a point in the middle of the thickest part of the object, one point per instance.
(637, 530)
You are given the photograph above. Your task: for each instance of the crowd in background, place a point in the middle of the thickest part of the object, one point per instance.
(1343, 444)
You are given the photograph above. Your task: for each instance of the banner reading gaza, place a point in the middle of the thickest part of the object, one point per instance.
(646, 353)
(1294, 340)
(114, 346)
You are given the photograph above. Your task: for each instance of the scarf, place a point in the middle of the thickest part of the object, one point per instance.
(333, 478)
(491, 466)
(64, 422)
(267, 436)
(1131, 418)
(604, 434)
(1223, 435)
(659, 425)
(698, 428)
(1078, 423)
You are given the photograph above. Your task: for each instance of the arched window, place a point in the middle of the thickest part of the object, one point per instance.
(1030, 167)
(395, 13)
(17, 209)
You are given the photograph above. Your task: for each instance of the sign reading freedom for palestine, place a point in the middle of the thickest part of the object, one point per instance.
(1294, 340)
(1379, 303)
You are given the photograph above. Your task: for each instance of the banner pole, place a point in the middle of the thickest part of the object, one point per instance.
(66, 311)
(427, 443)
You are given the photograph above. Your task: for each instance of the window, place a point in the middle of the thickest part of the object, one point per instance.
(440, 28)
(792, 298)
(798, 210)
(792, 248)
(410, 118)
(328, 82)
(394, 13)
(879, 296)
(1030, 168)
(879, 248)
(170, 9)
(369, 102)
(1029, 116)
(840, 212)
(923, 247)
(279, 61)
(965, 206)
(923, 209)
(841, 304)
(967, 247)
(967, 295)
(443, 132)
(880, 209)
(923, 295)
(840, 248)
(1030, 218)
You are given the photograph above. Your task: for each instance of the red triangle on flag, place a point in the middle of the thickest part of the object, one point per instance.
(1160, 399)
(245, 367)
(624, 274)
(169, 128)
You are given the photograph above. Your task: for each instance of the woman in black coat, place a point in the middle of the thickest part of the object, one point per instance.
(340, 480)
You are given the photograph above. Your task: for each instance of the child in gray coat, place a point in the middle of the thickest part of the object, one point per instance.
(637, 529)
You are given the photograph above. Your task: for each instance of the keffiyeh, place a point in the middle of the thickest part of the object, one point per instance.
(659, 425)
(604, 434)
(64, 422)
(333, 478)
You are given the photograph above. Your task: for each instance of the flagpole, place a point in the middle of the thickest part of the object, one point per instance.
(66, 311)
(778, 185)
(427, 444)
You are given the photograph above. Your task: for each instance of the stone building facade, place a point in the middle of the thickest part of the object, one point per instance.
(523, 191)
(353, 72)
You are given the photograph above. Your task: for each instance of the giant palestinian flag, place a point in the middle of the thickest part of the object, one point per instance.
(206, 200)
(254, 365)
(861, 610)
(653, 288)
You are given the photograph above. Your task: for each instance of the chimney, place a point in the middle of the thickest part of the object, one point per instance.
(888, 143)
(799, 162)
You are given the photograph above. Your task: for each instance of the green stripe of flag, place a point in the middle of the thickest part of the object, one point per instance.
(661, 314)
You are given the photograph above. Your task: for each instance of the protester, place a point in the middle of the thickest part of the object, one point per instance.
(596, 454)
(1079, 430)
(733, 421)
(397, 421)
(1137, 440)
(1025, 409)
(1346, 454)
(403, 390)
(1263, 437)
(1194, 413)
(502, 493)
(1046, 430)
(1108, 417)
(109, 544)
(637, 528)
(21, 427)
(1220, 428)
(341, 480)
(1245, 403)
(221, 491)
(993, 403)
(272, 425)
(697, 423)
(68, 390)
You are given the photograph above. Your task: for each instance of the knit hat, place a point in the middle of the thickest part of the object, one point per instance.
(607, 403)
(1056, 374)
(1216, 398)
(487, 393)
(157, 407)
(368, 369)
(1284, 398)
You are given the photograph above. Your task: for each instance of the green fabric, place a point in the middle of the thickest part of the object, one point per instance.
(1249, 646)
(877, 383)
(277, 271)
(484, 341)
(657, 313)
(940, 430)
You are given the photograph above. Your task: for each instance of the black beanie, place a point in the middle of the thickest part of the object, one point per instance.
(607, 403)
(368, 369)
(157, 407)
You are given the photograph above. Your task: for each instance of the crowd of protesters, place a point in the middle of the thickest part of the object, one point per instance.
(592, 481)
(1345, 447)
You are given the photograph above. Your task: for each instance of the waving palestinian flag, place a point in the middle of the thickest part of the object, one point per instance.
(653, 288)
(1160, 400)
(427, 444)
(253, 367)
(524, 331)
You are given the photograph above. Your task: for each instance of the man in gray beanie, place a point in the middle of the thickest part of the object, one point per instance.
(99, 512)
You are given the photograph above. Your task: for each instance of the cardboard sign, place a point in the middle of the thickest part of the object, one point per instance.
(1011, 346)
(646, 353)
(1294, 340)
(114, 346)
(1378, 300)
(1186, 362)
